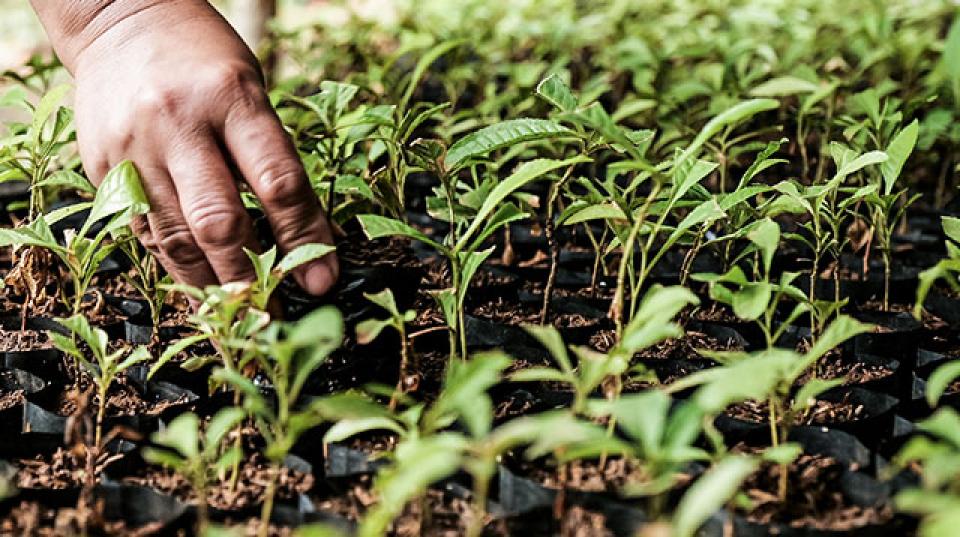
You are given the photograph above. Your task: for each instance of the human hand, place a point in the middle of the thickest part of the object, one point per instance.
(172, 87)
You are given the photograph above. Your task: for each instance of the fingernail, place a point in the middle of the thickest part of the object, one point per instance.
(320, 277)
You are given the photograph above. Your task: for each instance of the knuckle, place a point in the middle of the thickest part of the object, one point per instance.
(283, 184)
(161, 100)
(235, 83)
(178, 246)
(217, 225)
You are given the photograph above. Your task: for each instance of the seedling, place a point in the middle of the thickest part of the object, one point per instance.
(105, 365)
(828, 206)
(197, 455)
(287, 354)
(652, 324)
(936, 454)
(946, 270)
(119, 198)
(772, 373)
(758, 300)
(462, 248)
(368, 330)
(231, 315)
(887, 207)
(32, 151)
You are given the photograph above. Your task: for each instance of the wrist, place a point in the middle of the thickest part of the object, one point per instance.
(76, 27)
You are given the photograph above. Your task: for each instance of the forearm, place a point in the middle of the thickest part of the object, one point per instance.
(74, 25)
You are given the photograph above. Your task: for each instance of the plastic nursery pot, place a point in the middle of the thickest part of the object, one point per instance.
(872, 424)
(943, 306)
(897, 335)
(856, 483)
(528, 506)
(39, 421)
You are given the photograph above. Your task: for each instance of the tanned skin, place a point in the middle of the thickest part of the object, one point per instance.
(172, 87)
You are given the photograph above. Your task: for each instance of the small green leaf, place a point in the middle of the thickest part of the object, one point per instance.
(898, 151)
(524, 174)
(500, 135)
(783, 86)
(710, 492)
(303, 254)
(376, 227)
(940, 380)
(556, 92)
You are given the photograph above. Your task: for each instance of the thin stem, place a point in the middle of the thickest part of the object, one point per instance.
(267, 510)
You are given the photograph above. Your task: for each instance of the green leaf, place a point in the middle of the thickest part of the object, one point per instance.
(385, 300)
(376, 227)
(524, 174)
(182, 434)
(653, 321)
(814, 388)
(220, 424)
(553, 90)
(710, 492)
(951, 227)
(841, 329)
(469, 264)
(140, 354)
(898, 151)
(688, 176)
(940, 380)
(950, 60)
(550, 338)
(423, 64)
(732, 116)
(172, 350)
(45, 108)
(945, 424)
(600, 211)
(302, 255)
(348, 428)
(500, 135)
(864, 160)
(67, 179)
(783, 86)
(540, 374)
(369, 329)
(766, 235)
(750, 301)
(121, 190)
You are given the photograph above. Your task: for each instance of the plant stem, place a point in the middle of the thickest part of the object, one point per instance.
(101, 410)
(481, 490)
(550, 231)
(267, 510)
(886, 278)
(404, 366)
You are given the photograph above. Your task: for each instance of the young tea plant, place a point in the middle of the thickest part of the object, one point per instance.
(100, 363)
(828, 206)
(462, 247)
(196, 454)
(231, 315)
(368, 330)
(772, 373)
(119, 198)
(887, 207)
(32, 151)
(287, 354)
(946, 270)
(936, 456)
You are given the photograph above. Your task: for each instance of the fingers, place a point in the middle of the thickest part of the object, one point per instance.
(269, 163)
(212, 209)
(165, 232)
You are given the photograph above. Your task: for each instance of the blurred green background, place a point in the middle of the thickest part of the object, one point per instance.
(21, 34)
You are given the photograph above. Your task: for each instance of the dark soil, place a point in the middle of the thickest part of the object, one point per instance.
(822, 412)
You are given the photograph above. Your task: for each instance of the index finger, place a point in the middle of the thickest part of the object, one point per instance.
(269, 163)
